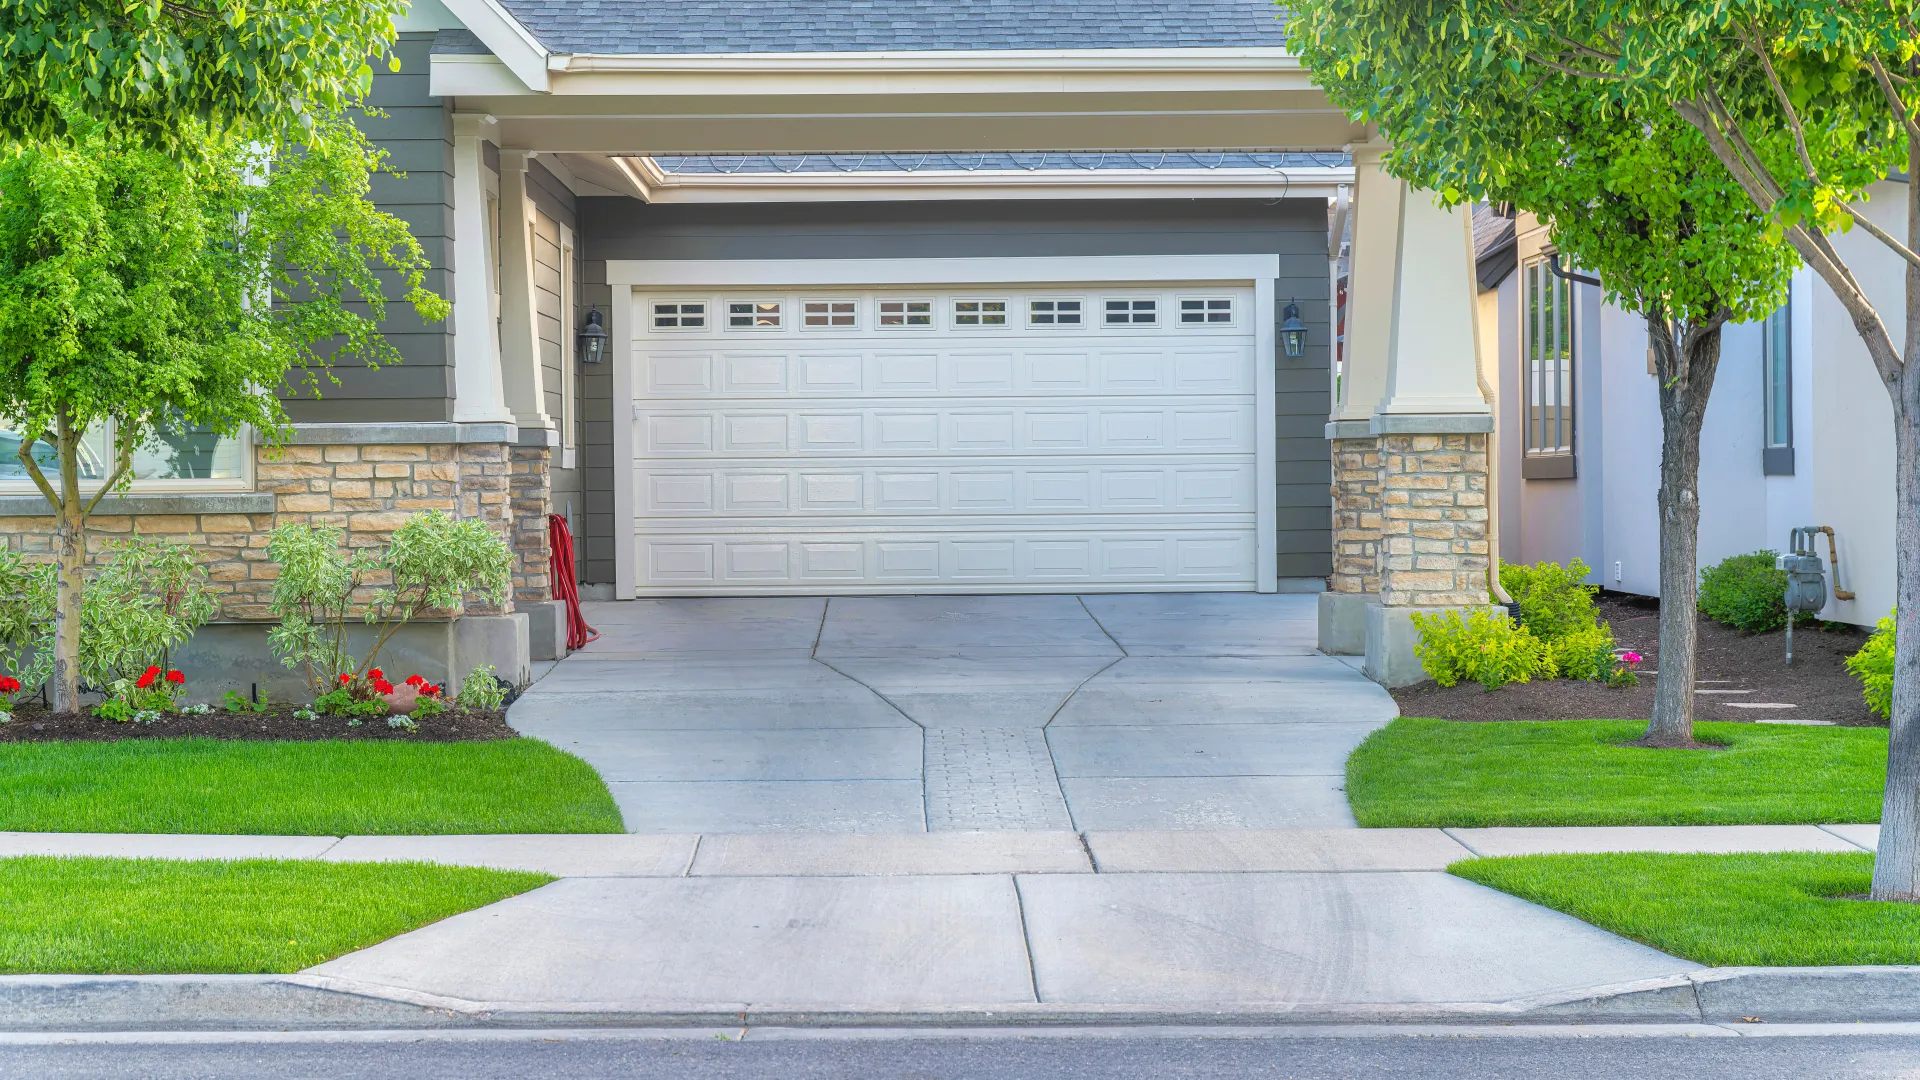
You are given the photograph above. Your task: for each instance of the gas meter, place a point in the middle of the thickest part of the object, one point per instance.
(1806, 579)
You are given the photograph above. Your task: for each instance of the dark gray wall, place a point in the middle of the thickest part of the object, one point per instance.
(417, 134)
(1296, 230)
(554, 326)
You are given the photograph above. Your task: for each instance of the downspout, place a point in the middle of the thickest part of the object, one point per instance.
(1493, 492)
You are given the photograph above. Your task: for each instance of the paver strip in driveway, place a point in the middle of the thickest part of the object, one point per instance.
(916, 713)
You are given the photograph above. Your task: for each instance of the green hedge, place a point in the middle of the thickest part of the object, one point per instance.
(1745, 592)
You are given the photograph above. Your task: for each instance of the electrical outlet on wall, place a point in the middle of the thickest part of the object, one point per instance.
(1616, 571)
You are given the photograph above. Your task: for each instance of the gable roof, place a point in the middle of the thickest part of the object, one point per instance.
(638, 27)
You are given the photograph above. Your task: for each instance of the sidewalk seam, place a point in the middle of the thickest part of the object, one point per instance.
(1026, 938)
(1475, 852)
(1103, 628)
(692, 856)
(1843, 839)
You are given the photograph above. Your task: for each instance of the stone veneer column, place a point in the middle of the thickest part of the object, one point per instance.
(531, 489)
(1433, 524)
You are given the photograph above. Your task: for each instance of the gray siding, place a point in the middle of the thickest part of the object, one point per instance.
(417, 134)
(555, 326)
(1296, 230)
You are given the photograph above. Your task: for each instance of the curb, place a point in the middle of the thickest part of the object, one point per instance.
(82, 1003)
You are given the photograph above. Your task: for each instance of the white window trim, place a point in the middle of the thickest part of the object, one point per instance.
(932, 313)
(1006, 312)
(1257, 271)
(706, 311)
(779, 316)
(1159, 308)
(1180, 313)
(569, 356)
(245, 482)
(801, 323)
(1078, 324)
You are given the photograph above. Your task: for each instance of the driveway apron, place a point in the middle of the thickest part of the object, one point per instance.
(938, 713)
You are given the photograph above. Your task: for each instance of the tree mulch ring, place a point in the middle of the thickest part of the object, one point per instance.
(1739, 677)
(33, 723)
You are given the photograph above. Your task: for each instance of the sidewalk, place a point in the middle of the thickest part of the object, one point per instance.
(1263, 926)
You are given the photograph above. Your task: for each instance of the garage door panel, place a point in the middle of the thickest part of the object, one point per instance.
(759, 496)
(938, 457)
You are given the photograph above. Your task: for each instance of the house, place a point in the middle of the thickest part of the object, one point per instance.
(1798, 429)
(900, 297)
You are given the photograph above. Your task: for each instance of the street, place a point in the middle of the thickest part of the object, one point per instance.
(1701, 1052)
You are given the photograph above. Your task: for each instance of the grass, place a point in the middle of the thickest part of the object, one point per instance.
(1723, 910)
(1428, 773)
(258, 916)
(330, 788)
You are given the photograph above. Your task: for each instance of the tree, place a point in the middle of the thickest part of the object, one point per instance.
(148, 68)
(149, 292)
(1805, 104)
(1635, 195)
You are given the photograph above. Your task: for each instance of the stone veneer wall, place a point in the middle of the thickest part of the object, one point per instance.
(1356, 516)
(366, 490)
(1433, 536)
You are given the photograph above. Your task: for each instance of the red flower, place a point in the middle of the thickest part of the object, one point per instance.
(346, 676)
(430, 690)
(416, 681)
(176, 678)
(146, 679)
(8, 684)
(376, 673)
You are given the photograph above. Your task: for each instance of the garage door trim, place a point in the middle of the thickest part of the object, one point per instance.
(1249, 271)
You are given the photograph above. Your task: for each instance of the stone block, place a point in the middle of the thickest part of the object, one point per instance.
(304, 504)
(393, 453)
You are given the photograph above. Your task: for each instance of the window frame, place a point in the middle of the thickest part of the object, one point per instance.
(654, 304)
(1132, 311)
(1005, 312)
(852, 303)
(569, 350)
(880, 313)
(1549, 369)
(1776, 385)
(779, 313)
(1205, 311)
(245, 483)
(1053, 313)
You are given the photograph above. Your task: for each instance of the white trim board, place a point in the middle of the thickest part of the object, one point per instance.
(1255, 271)
(726, 273)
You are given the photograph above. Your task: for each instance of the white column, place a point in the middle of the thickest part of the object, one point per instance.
(1372, 270)
(521, 376)
(476, 345)
(1433, 358)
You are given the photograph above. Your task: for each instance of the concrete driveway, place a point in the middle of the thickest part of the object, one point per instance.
(933, 713)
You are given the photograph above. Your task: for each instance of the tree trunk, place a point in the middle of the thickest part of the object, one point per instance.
(1896, 865)
(70, 582)
(1686, 370)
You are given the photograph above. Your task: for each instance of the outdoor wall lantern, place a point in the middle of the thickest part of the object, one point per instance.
(1293, 332)
(593, 339)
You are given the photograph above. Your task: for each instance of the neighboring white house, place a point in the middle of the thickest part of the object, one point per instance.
(1798, 429)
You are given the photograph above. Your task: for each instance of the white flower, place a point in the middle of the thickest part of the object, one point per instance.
(305, 714)
(5, 717)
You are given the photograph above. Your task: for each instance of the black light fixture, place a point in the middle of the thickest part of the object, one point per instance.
(1293, 332)
(593, 339)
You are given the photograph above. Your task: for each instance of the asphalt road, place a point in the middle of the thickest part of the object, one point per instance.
(1562, 1054)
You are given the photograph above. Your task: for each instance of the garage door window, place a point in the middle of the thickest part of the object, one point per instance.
(979, 313)
(753, 314)
(1053, 313)
(681, 315)
(1133, 312)
(1208, 310)
(827, 314)
(906, 314)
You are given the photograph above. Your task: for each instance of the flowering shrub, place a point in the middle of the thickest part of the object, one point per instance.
(150, 597)
(430, 565)
(356, 695)
(141, 699)
(1485, 646)
(1623, 673)
(1873, 666)
(8, 685)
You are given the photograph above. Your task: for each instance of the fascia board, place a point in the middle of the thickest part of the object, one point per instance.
(469, 75)
(940, 271)
(950, 60)
(512, 42)
(900, 186)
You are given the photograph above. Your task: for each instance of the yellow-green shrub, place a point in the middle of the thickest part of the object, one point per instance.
(1873, 666)
(1485, 647)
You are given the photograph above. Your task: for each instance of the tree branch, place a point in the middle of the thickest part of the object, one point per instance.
(1885, 78)
(1861, 219)
(1758, 48)
(122, 463)
(33, 467)
(1578, 73)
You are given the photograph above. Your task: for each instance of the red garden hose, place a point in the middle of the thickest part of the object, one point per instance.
(560, 538)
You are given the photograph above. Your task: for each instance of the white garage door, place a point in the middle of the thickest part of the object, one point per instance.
(944, 439)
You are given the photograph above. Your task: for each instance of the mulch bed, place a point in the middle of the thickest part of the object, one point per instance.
(1817, 684)
(33, 723)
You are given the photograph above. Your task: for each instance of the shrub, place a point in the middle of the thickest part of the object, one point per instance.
(431, 564)
(149, 597)
(1873, 666)
(1485, 647)
(1745, 592)
(482, 691)
(26, 624)
(1556, 606)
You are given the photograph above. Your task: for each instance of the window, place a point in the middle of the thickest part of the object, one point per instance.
(753, 314)
(181, 456)
(979, 313)
(1053, 313)
(571, 320)
(819, 314)
(905, 313)
(680, 315)
(1547, 374)
(1206, 311)
(1776, 356)
(1133, 312)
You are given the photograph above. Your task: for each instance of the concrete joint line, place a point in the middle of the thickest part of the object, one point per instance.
(1087, 846)
(1451, 835)
(891, 704)
(1103, 628)
(693, 856)
(1026, 937)
(1829, 831)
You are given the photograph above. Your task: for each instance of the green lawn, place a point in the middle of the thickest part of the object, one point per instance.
(1724, 910)
(328, 788)
(1415, 773)
(258, 916)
